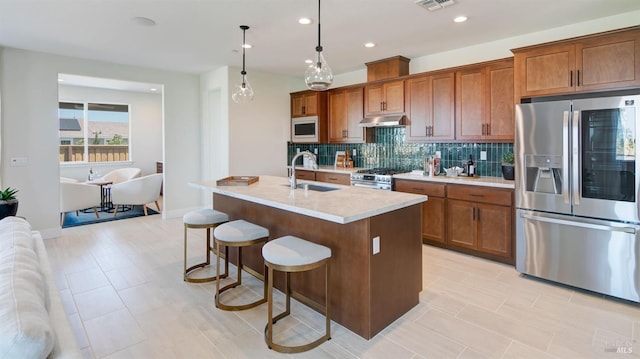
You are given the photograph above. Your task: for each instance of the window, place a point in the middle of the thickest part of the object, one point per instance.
(93, 132)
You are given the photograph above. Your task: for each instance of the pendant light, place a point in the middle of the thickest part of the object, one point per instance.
(243, 93)
(318, 76)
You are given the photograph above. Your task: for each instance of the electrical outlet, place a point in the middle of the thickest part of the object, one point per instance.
(438, 154)
(353, 153)
(315, 151)
(19, 161)
(297, 150)
(376, 245)
(483, 155)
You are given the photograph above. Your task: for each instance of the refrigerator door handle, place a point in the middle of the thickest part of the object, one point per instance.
(565, 157)
(575, 157)
(602, 227)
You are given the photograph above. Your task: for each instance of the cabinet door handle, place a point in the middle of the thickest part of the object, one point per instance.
(578, 77)
(473, 211)
(488, 129)
(476, 195)
(304, 110)
(344, 133)
(571, 78)
(478, 214)
(483, 126)
(381, 108)
(418, 189)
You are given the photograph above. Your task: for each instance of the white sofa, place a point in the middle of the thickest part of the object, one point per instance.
(33, 322)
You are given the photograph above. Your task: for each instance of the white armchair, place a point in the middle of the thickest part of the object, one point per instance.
(122, 175)
(77, 196)
(140, 190)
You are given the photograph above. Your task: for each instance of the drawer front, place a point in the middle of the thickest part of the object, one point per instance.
(420, 187)
(337, 178)
(306, 175)
(481, 194)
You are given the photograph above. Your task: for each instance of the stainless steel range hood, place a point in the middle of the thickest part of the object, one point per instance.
(390, 121)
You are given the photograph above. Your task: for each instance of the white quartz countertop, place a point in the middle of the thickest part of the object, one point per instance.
(345, 205)
(472, 181)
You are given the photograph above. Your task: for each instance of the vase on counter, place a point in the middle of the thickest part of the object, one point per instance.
(508, 171)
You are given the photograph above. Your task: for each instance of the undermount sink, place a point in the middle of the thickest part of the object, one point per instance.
(315, 187)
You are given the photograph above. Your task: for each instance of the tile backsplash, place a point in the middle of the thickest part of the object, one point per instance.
(391, 150)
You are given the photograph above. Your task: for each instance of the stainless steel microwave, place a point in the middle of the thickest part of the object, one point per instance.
(305, 129)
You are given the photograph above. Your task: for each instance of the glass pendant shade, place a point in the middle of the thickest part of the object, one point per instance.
(318, 76)
(242, 93)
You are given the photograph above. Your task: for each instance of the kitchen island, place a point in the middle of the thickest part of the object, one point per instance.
(375, 239)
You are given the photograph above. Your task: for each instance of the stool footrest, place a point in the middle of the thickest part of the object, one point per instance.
(292, 349)
(193, 268)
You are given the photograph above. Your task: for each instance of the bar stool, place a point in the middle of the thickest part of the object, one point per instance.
(239, 233)
(204, 218)
(291, 254)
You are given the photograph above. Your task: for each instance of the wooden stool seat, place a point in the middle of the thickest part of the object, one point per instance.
(203, 218)
(239, 233)
(292, 254)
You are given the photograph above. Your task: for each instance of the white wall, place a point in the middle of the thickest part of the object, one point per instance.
(496, 49)
(29, 129)
(145, 118)
(245, 139)
(260, 129)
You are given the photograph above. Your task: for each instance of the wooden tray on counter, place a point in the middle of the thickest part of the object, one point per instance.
(237, 181)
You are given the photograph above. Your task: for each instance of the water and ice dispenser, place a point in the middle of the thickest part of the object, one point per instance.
(543, 173)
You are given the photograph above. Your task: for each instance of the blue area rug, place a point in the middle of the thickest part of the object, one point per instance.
(90, 217)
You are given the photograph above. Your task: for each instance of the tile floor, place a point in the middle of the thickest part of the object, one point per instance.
(122, 286)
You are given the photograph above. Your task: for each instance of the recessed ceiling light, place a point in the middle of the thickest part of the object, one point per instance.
(304, 21)
(247, 46)
(153, 89)
(369, 44)
(60, 80)
(308, 61)
(460, 19)
(144, 21)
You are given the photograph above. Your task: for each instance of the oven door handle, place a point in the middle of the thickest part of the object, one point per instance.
(365, 185)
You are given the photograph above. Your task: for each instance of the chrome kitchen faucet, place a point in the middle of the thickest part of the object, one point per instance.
(314, 165)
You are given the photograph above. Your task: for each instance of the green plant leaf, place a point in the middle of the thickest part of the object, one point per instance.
(8, 194)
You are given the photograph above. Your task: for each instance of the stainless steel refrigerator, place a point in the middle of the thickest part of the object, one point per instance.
(577, 188)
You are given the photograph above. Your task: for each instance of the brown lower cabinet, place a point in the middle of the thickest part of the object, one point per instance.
(471, 219)
(337, 178)
(433, 210)
(329, 177)
(306, 175)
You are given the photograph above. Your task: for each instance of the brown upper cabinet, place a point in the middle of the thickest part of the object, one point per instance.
(384, 98)
(591, 63)
(346, 110)
(390, 68)
(305, 103)
(485, 102)
(430, 105)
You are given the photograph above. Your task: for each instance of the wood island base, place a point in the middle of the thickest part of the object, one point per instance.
(368, 291)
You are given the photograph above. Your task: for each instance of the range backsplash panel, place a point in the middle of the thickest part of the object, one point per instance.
(391, 150)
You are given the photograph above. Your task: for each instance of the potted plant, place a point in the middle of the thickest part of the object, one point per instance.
(508, 161)
(8, 202)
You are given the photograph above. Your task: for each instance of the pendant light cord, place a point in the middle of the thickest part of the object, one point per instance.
(319, 47)
(243, 72)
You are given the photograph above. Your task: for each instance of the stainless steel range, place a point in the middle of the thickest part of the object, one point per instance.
(376, 178)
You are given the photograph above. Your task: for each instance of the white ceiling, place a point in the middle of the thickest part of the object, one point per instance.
(196, 36)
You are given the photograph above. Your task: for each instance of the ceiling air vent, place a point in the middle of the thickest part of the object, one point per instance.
(433, 5)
